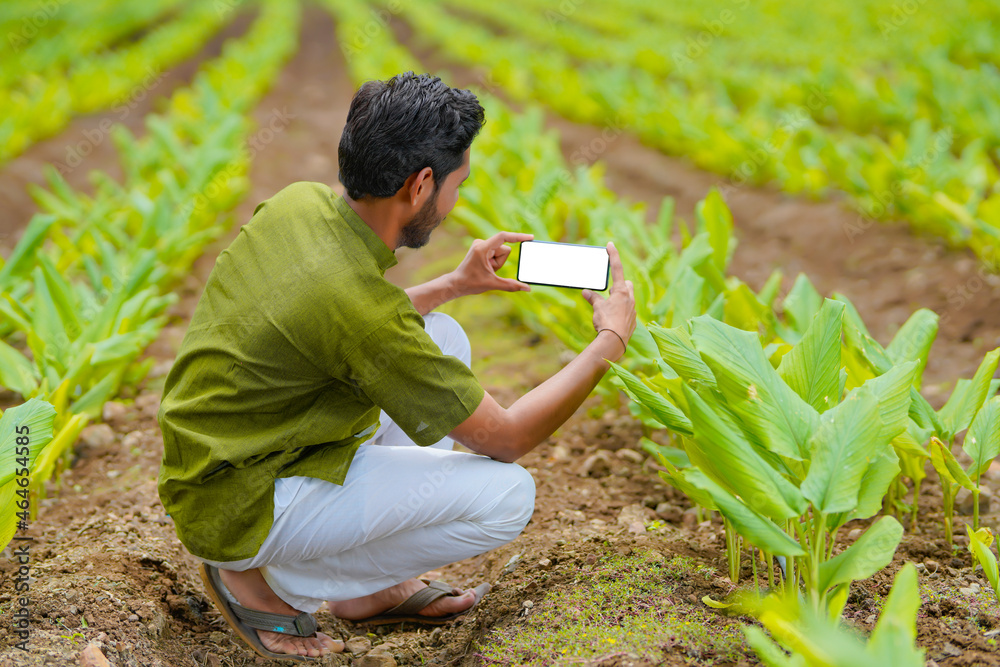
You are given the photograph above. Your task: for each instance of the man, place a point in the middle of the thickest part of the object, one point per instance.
(296, 344)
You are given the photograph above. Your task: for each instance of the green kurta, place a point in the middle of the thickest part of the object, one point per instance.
(296, 343)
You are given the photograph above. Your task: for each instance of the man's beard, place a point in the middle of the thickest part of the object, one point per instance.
(417, 232)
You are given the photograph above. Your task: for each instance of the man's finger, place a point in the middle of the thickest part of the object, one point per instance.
(511, 285)
(617, 271)
(589, 296)
(500, 238)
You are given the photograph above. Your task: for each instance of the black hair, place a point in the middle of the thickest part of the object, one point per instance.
(399, 126)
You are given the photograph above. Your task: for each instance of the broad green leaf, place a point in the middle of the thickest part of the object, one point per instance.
(754, 528)
(723, 453)
(944, 462)
(21, 258)
(683, 298)
(848, 437)
(968, 397)
(17, 373)
(742, 309)
(812, 367)
(676, 456)
(663, 410)
(715, 218)
(982, 442)
(802, 304)
(770, 654)
(980, 542)
(755, 392)
(893, 640)
(679, 352)
(913, 341)
(872, 551)
(678, 480)
(874, 485)
(32, 420)
(893, 390)
(923, 414)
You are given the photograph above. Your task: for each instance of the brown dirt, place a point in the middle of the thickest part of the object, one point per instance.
(108, 569)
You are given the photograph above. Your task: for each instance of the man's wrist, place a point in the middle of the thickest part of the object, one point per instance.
(454, 287)
(612, 343)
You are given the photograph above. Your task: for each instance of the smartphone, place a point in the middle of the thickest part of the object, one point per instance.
(564, 265)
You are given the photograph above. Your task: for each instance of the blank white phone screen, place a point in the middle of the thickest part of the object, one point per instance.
(563, 265)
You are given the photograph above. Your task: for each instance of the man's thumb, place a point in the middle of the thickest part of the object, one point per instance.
(589, 296)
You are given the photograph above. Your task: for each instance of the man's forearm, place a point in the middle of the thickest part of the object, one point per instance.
(428, 296)
(537, 414)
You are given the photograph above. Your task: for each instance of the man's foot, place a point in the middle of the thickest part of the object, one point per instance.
(251, 591)
(384, 600)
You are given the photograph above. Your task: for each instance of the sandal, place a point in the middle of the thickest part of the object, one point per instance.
(407, 609)
(245, 622)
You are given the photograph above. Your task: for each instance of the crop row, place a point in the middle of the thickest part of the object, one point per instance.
(84, 291)
(922, 147)
(53, 79)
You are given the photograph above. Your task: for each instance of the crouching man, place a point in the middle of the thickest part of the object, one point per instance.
(309, 418)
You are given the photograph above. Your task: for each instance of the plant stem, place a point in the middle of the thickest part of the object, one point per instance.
(753, 559)
(975, 505)
(770, 569)
(916, 504)
(949, 500)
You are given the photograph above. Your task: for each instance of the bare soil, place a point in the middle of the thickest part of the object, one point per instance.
(107, 567)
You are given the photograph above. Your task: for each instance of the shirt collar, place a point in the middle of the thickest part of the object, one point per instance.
(384, 257)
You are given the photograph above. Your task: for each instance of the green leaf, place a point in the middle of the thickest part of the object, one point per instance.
(893, 390)
(678, 480)
(968, 397)
(874, 485)
(802, 304)
(979, 544)
(947, 466)
(663, 410)
(715, 218)
(812, 367)
(871, 552)
(913, 341)
(675, 456)
(770, 654)
(21, 257)
(982, 442)
(742, 309)
(33, 420)
(756, 529)
(724, 454)
(17, 373)
(845, 441)
(678, 351)
(769, 408)
(893, 640)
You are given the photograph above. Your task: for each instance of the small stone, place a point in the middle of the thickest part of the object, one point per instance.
(358, 645)
(854, 534)
(932, 565)
(133, 617)
(528, 604)
(975, 587)
(92, 657)
(668, 512)
(591, 559)
(73, 610)
(952, 572)
(544, 564)
(596, 465)
(963, 502)
(213, 660)
(512, 564)
(870, 619)
(561, 453)
(952, 650)
(921, 567)
(966, 591)
(693, 599)
(629, 455)
(633, 518)
(97, 436)
(436, 635)
(379, 660)
(689, 518)
(114, 411)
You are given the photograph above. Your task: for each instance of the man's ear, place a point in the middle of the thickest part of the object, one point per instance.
(422, 187)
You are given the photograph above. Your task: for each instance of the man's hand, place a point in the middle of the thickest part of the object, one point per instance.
(617, 312)
(478, 271)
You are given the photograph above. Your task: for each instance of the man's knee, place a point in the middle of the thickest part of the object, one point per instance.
(512, 513)
(449, 335)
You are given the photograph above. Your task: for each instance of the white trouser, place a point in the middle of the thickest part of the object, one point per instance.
(402, 510)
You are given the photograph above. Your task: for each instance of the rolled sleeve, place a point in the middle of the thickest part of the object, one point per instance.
(403, 371)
